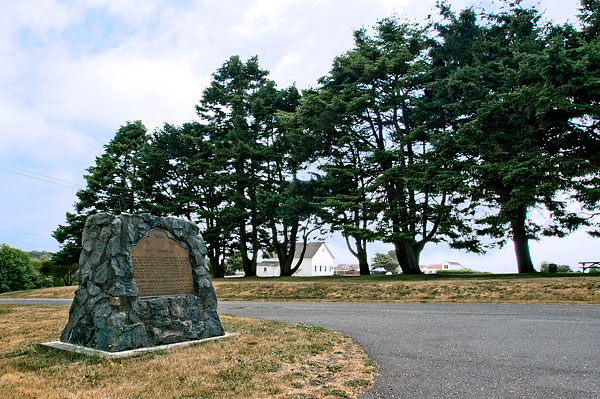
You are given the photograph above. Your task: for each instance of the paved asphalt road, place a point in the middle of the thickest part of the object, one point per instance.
(461, 351)
(456, 350)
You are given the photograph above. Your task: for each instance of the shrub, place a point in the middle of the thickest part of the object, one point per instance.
(17, 271)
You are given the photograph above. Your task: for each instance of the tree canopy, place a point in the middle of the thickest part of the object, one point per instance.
(16, 270)
(480, 125)
(507, 84)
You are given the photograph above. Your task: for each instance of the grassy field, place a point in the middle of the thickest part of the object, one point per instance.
(485, 288)
(568, 288)
(269, 360)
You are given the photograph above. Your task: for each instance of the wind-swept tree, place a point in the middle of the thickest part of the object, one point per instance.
(182, 178)
(284, 198)
(64, 263)
(114, 184)
(370, 101)
(586, 52)
(227, 110)
(505, 89)
(114, 181)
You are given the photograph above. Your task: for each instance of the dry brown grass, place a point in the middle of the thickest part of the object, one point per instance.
(53, 293)
(555, 290)
(576, 289)
(269, 360)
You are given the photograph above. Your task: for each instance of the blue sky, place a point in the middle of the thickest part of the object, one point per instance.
(73, 71)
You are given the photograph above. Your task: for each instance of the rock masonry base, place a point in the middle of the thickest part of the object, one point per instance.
(108, 312)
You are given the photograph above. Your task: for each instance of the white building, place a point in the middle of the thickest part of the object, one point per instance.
(433, 269)
(318, 261)
(345, 269)
(268, 268)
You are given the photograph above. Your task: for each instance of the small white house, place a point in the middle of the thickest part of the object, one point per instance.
(346, 269)
(433, 269)
(268, 268)
(318, 261)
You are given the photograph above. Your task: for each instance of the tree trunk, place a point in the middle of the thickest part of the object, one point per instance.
(360, 253)
(214, 257)
(216, 267)
(249, 265)
(408, 256)
(363, 262)
(285, 250)
(521, 242)
(364, 265)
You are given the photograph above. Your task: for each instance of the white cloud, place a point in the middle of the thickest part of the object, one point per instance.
(119, 89)
(61, 100)
(267, 16)
(27, 133)
(38, 15)
(132, 11)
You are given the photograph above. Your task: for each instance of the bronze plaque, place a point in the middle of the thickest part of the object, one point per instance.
(161, 266)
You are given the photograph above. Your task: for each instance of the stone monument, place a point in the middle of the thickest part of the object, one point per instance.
(143, 282)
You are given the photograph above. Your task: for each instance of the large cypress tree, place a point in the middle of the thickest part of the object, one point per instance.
(505, 88)
(114, 184)
(182, 178)
(370, 115)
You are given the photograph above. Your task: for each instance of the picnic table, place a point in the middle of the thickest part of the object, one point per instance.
(589, 265)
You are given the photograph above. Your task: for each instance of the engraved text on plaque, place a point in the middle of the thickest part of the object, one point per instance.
(161, 266)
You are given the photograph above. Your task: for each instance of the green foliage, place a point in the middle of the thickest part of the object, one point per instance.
(39, 254)
(230, 108)
(265, 205)
(17, 271)
(544, 268)
(587, 55)
(59, 269)
(181, 170)
(385, 261)
(383, 178)
(412, 137)
(113, 185)
(509, 90)
(64, 264)
(113, 182)
(233, 263)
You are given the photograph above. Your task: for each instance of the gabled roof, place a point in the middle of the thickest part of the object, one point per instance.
(311, 250)
(346, 266)
(433, 267)
(268, 263)
(453, 263)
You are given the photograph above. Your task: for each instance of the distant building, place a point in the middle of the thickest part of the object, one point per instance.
(433, 269)
(345, 269)
(268, 268)
(318, 261)
(379, 270)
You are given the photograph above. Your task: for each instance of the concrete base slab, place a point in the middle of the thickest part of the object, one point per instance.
(133, 352)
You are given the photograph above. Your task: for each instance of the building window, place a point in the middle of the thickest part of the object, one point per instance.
(265, 269)
(320, 268)
(315, 267)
